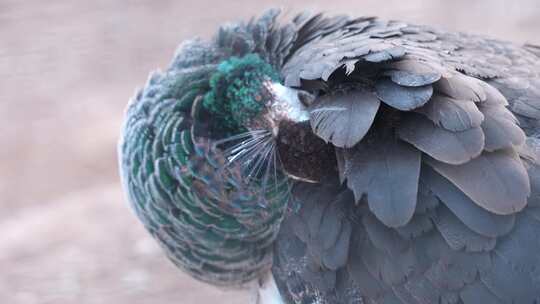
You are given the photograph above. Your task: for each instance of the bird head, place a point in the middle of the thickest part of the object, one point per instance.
(246, 95)
(246, 101)
(199, 153)
(199, 162)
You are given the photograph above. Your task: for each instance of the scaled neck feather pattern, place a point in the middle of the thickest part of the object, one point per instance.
(210, 191)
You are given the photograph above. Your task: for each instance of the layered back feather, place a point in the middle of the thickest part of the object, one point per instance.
(437, 201)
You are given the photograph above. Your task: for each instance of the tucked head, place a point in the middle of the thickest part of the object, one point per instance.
(246, 94)
(199, 160)
(199, 153)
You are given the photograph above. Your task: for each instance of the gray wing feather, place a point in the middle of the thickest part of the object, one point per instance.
(501, 133)
(476, 218)
(451, 114)
(391, 190)
(461, 87)
(441, 144)
(412, 73)
(458, 235)
(498, 181)
(493, 96)
(344, 118)
(401, 97)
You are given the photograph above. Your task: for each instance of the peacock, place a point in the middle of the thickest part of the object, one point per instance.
(332, 159)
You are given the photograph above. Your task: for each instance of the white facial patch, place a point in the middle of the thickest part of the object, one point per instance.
(287, 104)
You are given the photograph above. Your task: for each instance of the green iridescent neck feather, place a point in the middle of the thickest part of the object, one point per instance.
(237, 93)
(210, 219)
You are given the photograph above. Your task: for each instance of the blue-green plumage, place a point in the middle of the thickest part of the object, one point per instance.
(195, 202)
(236, 92)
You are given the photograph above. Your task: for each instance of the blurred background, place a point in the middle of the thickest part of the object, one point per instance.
(67, 69)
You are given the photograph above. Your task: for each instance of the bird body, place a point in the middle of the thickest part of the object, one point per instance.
(355, 160)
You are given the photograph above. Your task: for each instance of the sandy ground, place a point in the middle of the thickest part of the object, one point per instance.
(67, 69)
